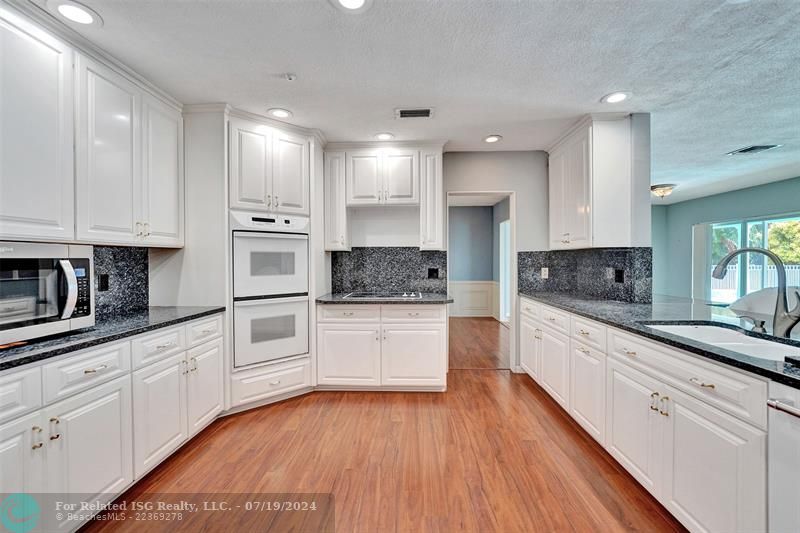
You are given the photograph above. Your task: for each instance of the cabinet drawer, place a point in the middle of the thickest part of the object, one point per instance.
(204, 330)
(348, 313)
(20, 392)
(413, 313)
(589, 333)
(558, 320)
(530, 308)
(262, 383)
(157, 346)
(80, 372)
(738, 394)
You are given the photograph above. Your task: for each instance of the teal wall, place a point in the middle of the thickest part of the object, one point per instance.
(470, 244)
(672, 227)
(500, 213)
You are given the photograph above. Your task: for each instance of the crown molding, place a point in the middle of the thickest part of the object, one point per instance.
(584, 121)
(267, 121)
(189, 109)
(39, 15)
(344, 146)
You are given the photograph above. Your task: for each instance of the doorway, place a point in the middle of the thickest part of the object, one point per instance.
(481, 280)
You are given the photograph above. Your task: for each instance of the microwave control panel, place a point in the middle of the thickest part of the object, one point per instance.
(83, 307)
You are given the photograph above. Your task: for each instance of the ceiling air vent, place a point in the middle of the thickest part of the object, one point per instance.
(417, 112)
(756, 148)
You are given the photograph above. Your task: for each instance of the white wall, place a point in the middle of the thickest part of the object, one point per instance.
(524, 173)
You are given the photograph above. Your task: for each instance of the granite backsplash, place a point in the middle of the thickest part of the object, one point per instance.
(620, 274)
(128, 274)
(389, 269)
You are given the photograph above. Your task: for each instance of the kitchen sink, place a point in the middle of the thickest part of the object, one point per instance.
(379, 295)
(732, 340)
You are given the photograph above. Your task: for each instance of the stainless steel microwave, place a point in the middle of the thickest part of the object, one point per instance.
(45, 289)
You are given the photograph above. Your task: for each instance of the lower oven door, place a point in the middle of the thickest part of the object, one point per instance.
(269, 329)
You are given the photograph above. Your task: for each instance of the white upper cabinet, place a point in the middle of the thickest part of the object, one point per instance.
(269, 169)
(383, 176)
(107, 155)
(162, 174)
(599, 175)
(431, 203)
(336, 234)
(36, 133)
(290, 174)
(364, 178)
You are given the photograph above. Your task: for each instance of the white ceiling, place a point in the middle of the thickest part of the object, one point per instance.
(716, 75)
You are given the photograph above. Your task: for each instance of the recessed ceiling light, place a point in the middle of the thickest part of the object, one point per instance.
(279, 112)
(352, 6)
(75, 12)
(386, 136)
(614, 98)
(662, 189)
(492, 138)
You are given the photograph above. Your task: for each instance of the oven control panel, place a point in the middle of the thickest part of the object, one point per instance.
(248, 220)
(83, 307)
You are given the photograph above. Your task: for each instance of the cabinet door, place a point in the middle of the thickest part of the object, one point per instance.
(554, 373)
(250, 165)
(205, 384)
(529, 349)
(349, 355)
(714, 467)
(634, 426)
(22, 455)
(107, 156)
(290, 178)
(89, 446)
(159, 411)
(588, 389)
(431, 202)
(363, 176)
(162, 174)
(578, 192)
(556, 177)
(400, 170)
(414, 355)
(336, 234)
(36, 133)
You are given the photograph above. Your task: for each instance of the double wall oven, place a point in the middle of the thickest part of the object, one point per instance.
(270, 287)
(45, 289)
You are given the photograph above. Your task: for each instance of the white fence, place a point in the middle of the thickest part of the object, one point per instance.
(731, 280)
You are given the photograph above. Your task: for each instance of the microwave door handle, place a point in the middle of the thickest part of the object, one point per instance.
(72, 288)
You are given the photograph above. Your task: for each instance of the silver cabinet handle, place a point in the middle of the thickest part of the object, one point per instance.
(629, 353)
(37, 445)
(56, 421)
(138, 228)
(654, 401)
(269, 201)
(703, 384)
(147, 229)
(276, 382)
(193, 368)
(95, 369)
(185, 367)
(662, 405)
(551, 319)
(164, 346)
(784, 407)
(208, 331)
(583, 350)
(584, 333)
(348, 313)
(413, 314)
(72, 288)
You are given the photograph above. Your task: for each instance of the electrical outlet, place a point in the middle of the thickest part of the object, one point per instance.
(545, 273)
(433, 273)
(619, 276)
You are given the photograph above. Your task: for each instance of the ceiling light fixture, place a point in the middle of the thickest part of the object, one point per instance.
(662, 189)
(615, 98)
(493, 138)
(352, 6)
(75, 12)
(385, 136)
(279, 112)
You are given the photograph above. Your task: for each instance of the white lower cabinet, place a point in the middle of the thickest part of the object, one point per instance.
(411, 355)
(554, 375)
(587, 388)
(530, 349)
(349, 355)
(204, 385)
(714, 468)
(159, 411)
(22, 454)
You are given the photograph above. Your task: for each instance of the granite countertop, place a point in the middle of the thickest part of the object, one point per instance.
(105, 330)
(633, 317)
(429, 298)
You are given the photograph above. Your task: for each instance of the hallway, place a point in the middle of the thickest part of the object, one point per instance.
(478, 343)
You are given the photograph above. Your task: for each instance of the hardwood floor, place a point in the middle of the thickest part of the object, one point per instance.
(493, 453)
(478, 343)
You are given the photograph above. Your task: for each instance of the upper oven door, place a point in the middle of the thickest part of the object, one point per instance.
(269, 264)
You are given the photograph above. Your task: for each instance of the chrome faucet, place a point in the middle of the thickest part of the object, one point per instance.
(784, 320)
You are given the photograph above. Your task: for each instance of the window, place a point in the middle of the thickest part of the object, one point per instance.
(753, 272)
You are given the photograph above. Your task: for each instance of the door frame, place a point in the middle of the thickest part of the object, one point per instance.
(513, 324)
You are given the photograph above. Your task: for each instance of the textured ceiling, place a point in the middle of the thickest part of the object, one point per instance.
(715, 75)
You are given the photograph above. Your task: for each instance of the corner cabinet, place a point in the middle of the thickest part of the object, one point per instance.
(36, 175)
(269, 168)
(599, 183)
(366, 175)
